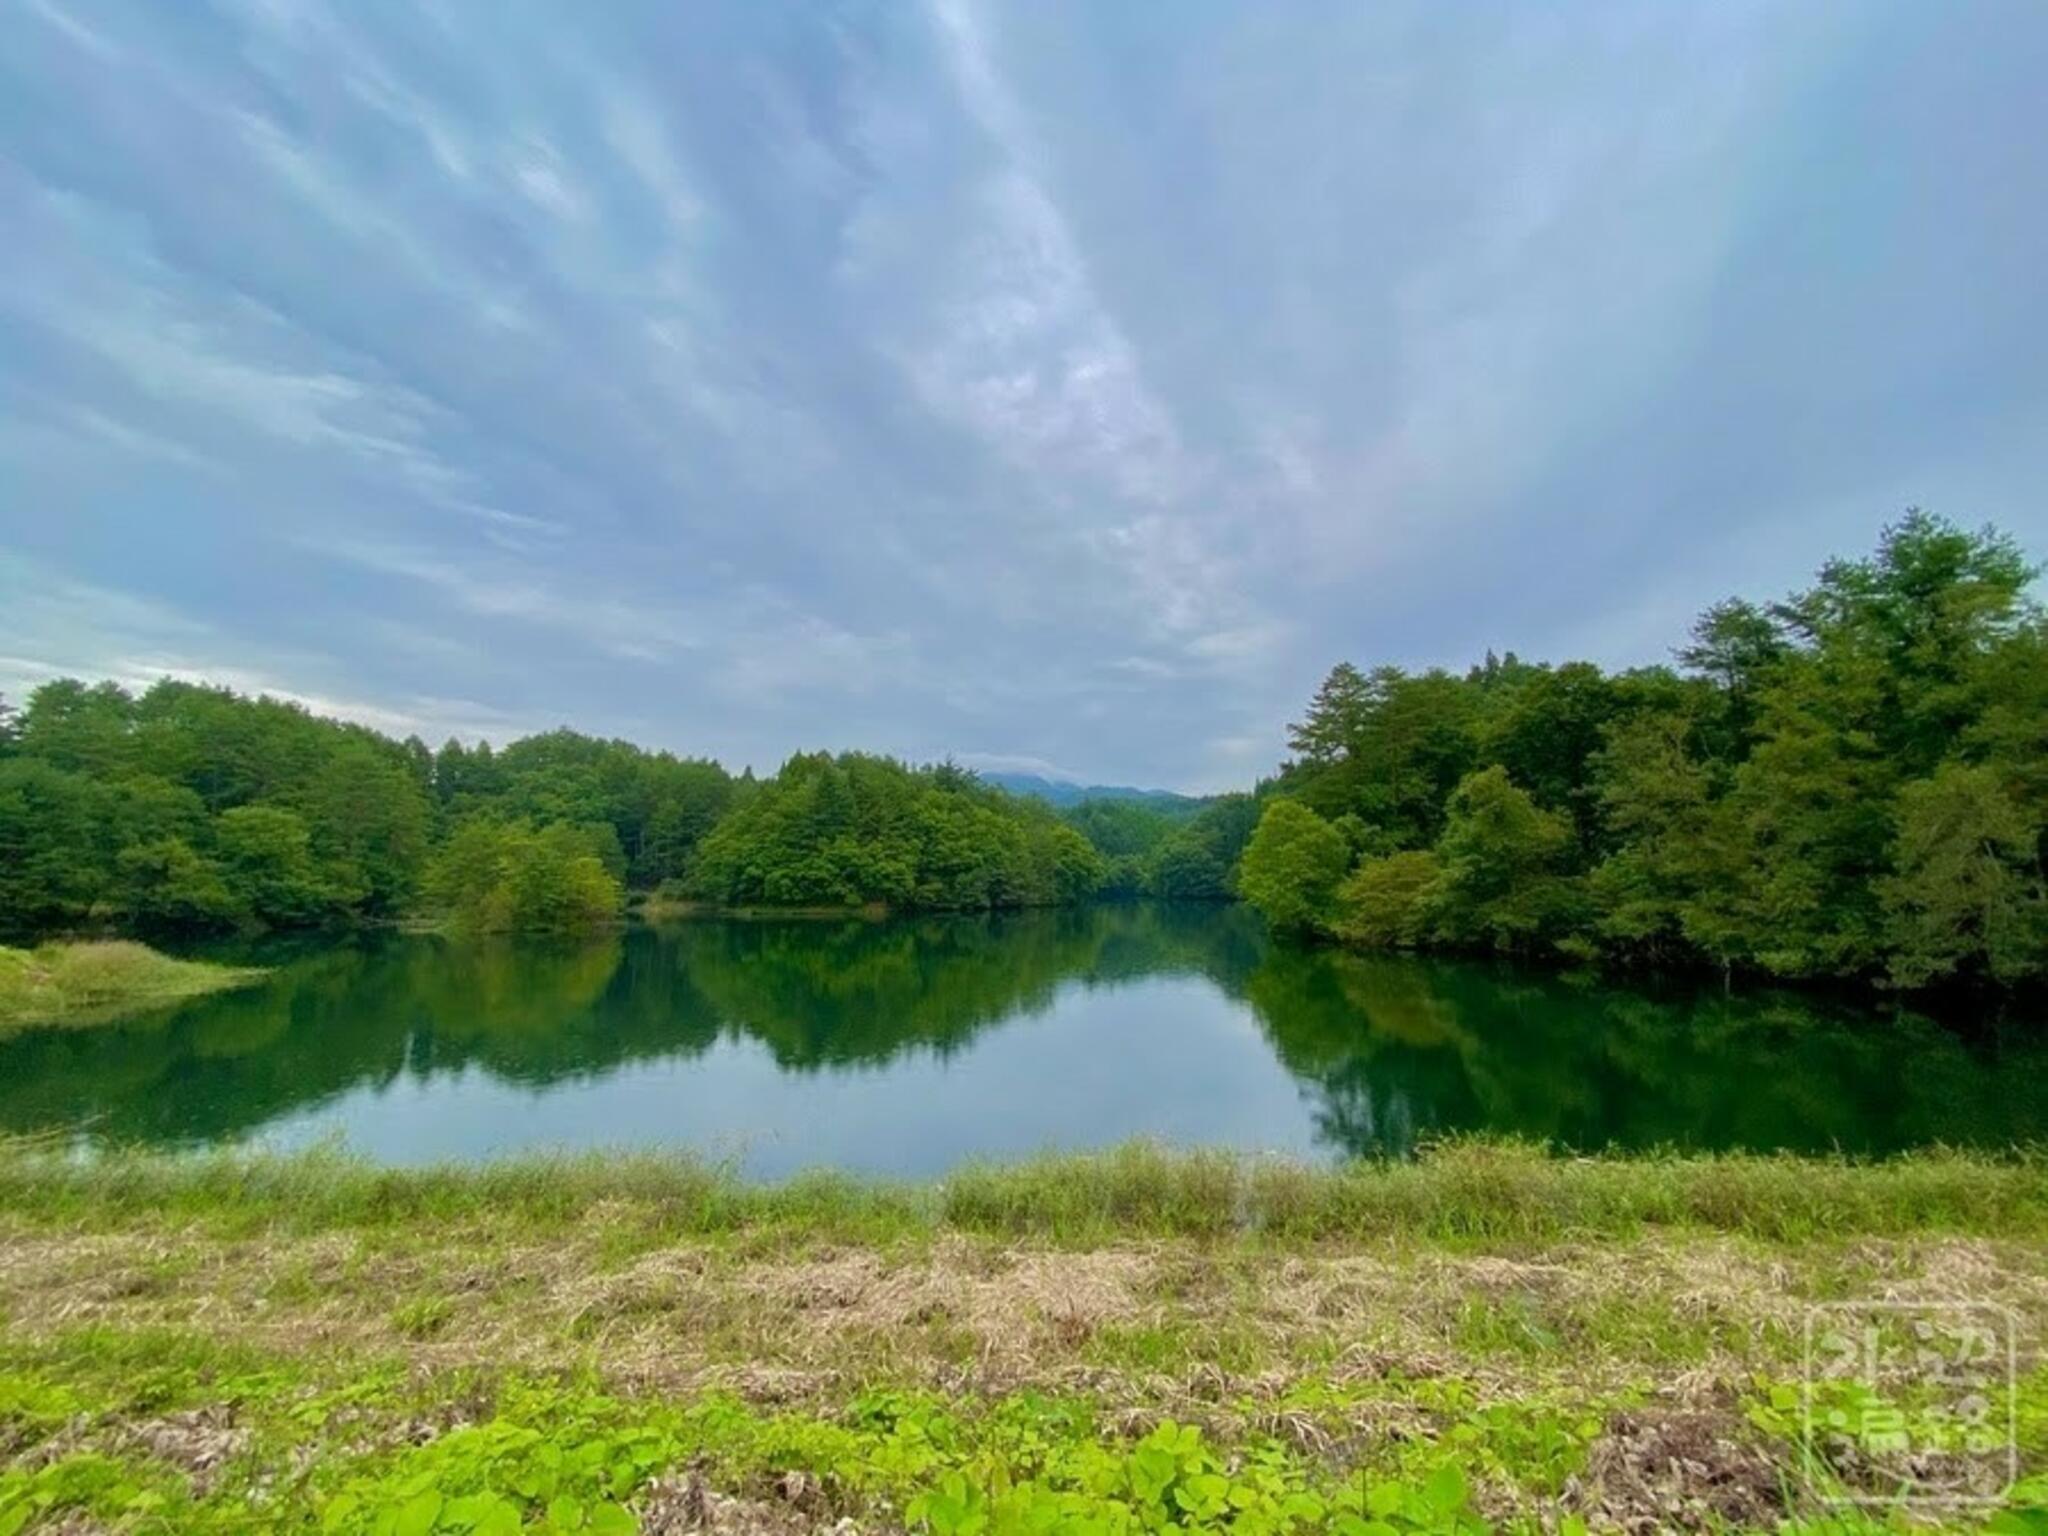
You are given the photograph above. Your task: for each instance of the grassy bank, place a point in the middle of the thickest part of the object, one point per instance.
(1460, 1192)
(1487, 1338)
(94, 982)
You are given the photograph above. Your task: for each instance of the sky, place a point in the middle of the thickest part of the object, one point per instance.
(1059, 386)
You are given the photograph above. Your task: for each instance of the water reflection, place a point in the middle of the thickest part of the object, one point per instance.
(1400, 1048)
(966, 1034)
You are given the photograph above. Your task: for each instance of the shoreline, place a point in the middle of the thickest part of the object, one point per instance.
(1963, 1008)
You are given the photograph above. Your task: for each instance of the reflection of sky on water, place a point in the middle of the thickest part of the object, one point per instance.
(1169, 1058)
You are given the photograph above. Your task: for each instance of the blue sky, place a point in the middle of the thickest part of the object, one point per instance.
(1057, 385)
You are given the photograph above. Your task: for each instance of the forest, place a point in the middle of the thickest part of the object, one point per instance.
(190, 809)
(1848, 783)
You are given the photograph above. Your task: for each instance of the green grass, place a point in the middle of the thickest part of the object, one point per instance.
(95, 982)
(1483, 1193)
(1502, 1192)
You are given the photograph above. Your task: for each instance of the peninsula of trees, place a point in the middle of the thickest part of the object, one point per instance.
(1851, 783)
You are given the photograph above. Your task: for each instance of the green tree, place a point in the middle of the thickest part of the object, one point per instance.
(1336, 719)
(686, 799)
(854, 829)
(1735, 644)
(80, 728)
(1124, 877)
(369, 819)
(466, 874)
(1186, 869)
(1197, 861)
(1076, 870)
(265, 855)
(1918, 617)
(558, 881)
(465, 777)
(1387, 748)
(1966, 898)
(1675, 881)
(1389, 903)
(509, 877)
(2011, 733)
(147, 809)
(167, 886)
(1546, 732)
(56, 848)
(1292, 866)
(1119, 828)
(1502, 858)
(1814, 799)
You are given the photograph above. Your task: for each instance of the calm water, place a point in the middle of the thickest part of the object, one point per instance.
(907, 1046)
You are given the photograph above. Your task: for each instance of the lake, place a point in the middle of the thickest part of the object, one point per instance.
(905, 1046)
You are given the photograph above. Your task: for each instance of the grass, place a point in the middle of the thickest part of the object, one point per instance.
(96, 982)
(1467, 1191)
(1488, 1338)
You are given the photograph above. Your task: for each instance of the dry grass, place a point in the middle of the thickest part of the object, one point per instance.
(1156, 1318)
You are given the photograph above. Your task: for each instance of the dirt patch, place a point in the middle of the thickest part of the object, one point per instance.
(73, 1522)
(673, 1506)
(1685, 1469)
(1008, 1308)
(198, 1443)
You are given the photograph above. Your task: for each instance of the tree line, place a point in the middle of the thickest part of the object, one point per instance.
(1848, 783)
(191, 809)
(1852, 782)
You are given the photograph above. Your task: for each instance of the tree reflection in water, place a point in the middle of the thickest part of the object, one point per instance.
(1388, 1050)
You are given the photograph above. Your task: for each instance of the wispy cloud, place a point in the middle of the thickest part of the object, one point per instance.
(1069, 385)
(621, 630)
(1026, 352)
(74, 29)
(75, 628)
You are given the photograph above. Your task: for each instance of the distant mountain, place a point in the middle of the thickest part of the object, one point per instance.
(1064, 792)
